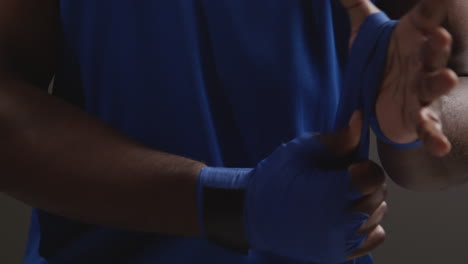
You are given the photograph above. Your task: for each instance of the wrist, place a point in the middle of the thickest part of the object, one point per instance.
(221, 197)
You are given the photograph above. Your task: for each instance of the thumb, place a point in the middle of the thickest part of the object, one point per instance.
(344, 141)
(358, 11)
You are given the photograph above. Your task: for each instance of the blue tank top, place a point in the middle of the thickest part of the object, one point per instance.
(223, 81)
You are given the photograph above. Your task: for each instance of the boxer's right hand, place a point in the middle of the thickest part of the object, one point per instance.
(298, 208)
(369, 178)
(306, 201)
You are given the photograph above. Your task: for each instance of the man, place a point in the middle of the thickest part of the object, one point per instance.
(151, 70)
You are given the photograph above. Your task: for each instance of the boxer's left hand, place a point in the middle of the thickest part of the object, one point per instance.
(416, 74)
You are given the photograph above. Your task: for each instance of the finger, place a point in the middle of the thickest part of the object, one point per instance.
(375, 219)
(368, 204)
(346, 140)
(437, 49)
(358, 11)
(437, 84)
(429, 14)
(431, 133)
(354, 131)
(375, 239)
(367, 177)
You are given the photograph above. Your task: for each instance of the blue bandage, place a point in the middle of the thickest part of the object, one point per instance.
(294, 208)
(374, 124)
(363, 76)
(297, 209)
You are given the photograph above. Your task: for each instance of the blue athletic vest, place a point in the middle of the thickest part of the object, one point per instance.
(222, 81)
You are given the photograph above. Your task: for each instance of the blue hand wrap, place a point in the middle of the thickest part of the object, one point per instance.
(363, 76)
(294, 207)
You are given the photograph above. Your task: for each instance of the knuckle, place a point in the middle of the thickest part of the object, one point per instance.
(380, 235)
(376, 238)
(380, 206)
(381, 212)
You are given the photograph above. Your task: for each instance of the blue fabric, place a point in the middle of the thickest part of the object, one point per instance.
(295, 207)
(363, 75)
(224, 82)
(374, 124)
(224, 178)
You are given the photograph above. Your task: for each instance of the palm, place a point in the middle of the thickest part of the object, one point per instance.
(399, 104)
(416, 75)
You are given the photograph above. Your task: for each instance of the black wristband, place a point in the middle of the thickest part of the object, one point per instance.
(223, 211)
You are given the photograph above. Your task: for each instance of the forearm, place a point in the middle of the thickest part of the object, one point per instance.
(58, 159)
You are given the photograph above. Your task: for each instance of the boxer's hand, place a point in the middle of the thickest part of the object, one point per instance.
(416, 74)
(368, 178)
(307, 201)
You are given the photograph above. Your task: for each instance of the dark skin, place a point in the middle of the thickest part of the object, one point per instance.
(103, 176)
(61, 160)
(25, 31)
(419, 169)
(57, 158)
